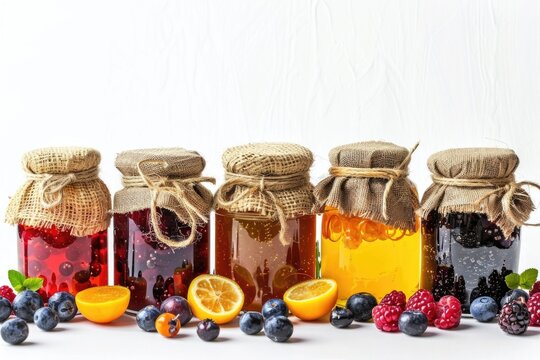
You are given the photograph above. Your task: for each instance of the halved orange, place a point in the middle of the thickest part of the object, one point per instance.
(215, 297)
(312, 299)
(103, 304)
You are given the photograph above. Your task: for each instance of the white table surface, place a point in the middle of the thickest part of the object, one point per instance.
(81, 339)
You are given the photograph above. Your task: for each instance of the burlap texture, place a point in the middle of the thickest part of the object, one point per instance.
(380, 191)
(270, 179)
(478, 180)
(168, 178)
(63, 189)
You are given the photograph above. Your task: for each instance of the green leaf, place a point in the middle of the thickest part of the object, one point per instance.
(512, 280)
(33, 284)
(528, 278)
(18, 288)
(16, 279)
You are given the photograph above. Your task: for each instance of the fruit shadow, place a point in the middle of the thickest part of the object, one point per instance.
(531, 332)
(123, 321)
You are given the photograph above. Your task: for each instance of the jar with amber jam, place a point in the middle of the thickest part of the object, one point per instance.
(62, 214)
(370, 233)
(265, 225)
(161, 224)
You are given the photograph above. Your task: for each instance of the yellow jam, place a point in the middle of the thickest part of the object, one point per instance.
(366, 256)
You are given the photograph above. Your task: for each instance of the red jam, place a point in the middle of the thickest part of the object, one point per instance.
(64, 262)
(150, 269)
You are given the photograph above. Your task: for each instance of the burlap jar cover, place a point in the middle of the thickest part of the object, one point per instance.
(62, 189)
(369, 180)
(165, 178)
(478, 180)
(270, 180)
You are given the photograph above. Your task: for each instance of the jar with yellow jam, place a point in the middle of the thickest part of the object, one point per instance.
(370, 233)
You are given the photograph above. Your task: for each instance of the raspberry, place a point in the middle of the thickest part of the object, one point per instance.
(423, 301)
(534, 308)
(396, 298)
(7, 293)
(514, 318)
(386, 317)
(448, 313)
(535, 289)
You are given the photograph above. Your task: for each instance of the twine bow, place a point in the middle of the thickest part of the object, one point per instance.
(390, 174)
(181, 189)
(507, 186)
(265, 186)
(51, 186)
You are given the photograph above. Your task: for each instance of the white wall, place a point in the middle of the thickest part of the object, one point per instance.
(205, 75)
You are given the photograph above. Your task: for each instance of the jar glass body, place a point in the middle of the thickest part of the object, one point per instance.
(150, 269)
(471, 256)
(64, 262)
(366, 256)
(248, 250)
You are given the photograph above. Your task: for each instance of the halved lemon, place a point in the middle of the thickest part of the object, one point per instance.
(312, 299)
(215, 297)
(103, 304)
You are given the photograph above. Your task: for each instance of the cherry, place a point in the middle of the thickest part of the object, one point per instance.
(95, 268)
(82, 276)
(66, 268)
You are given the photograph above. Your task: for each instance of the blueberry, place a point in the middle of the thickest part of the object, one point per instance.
(177, 305)
(146, 318)
(5, 309)
(25, 305)
(251, 322)
(207, 330)
(46, 318)
(278, 328)
(361, 305)
(63, 303)
(341, 317)
(516, 294)
(413, 322)
(14, 331)
(274, 307)
(484, 309)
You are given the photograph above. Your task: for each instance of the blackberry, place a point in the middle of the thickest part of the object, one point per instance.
(459, 290)
(514, 318)
(444, 281)
(481, 290)
(497, 285)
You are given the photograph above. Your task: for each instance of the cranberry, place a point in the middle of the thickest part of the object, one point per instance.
(95, 269)
(40, 250)
(82, 276)
(66, 268)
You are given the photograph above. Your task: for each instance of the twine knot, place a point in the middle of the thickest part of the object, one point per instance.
(181, 189)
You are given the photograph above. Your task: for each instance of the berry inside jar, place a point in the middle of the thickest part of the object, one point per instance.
(472, 256)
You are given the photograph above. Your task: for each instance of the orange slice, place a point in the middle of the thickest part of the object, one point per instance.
(215, 297)
(312, 299)
(103, 304)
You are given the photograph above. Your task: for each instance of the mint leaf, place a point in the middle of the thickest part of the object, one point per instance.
(33, 284)
(528, 278)
(16, 279)
(512, 280)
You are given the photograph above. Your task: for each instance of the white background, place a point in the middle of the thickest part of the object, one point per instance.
(206, 75)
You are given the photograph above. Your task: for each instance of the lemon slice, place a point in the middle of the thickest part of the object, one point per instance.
(103, 304)
(215, 297)
(312, 299)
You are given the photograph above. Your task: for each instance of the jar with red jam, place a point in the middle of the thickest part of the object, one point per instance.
(265, 225)
(62, 213)
(161, 224)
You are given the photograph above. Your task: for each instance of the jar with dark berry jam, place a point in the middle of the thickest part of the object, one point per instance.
(161, 229)
(472, 214)
(265, 225)
(62, 213)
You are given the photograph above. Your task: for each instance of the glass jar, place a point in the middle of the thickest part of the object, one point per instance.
(64, 262)
(62, 215)
(472, 256)
(161, 228)
(150, 269)
(365, 255)
(248, 251)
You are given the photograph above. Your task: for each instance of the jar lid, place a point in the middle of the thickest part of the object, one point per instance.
(60, 160)
(368, 154)
(267, 159)
(180, 162)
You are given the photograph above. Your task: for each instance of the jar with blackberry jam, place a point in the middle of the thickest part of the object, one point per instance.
(472, 215)
(161, 224)
(370, 232)
(265, 225)
(62, 214)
